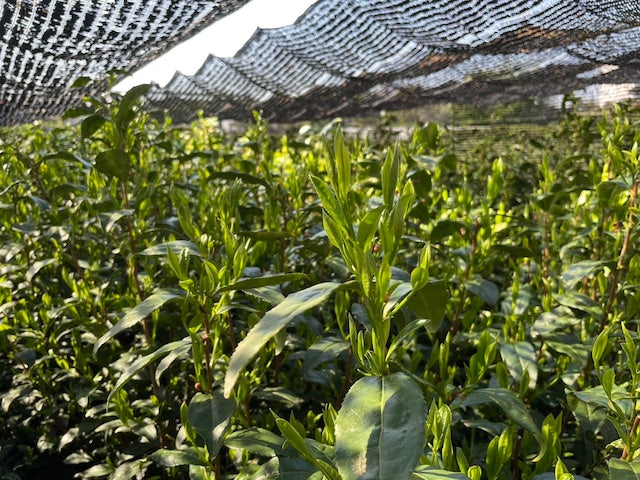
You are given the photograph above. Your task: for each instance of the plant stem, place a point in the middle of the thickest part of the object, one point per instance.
(630, 434)
(346, 381)
(517, 474)
(620, 266)
(206, 340)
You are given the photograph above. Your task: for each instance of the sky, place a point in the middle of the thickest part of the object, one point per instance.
(223, 39)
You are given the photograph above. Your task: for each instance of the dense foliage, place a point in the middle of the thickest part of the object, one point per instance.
(182, 303)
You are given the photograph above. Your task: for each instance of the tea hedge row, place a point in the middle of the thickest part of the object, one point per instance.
(177, 302)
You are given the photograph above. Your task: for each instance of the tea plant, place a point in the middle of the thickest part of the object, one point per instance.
(177, 302)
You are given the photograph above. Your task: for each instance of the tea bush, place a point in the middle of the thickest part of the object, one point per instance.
(177, 302)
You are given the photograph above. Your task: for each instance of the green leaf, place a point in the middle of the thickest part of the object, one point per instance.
(175, 458)
(427, 136)
(175, 246)
(210, 416)
(609, 191)
(293, 437)
(114, 163)
(274, 320)
(279, 394)
(328, 199)
(142, 362)
(128, 101)
(198, 472)
(597, 397)
(599, 347)
(427, 472)
(580, 302)
(265, 281)
(419, 278)
(76, 112)
(127, 471)
(97, 471)
(430, 302)
(109, 219)
(342, 163)
(513, 250)
(243, 177)
(294, 469)
(266, 236)
(81, 82)
(578, 271)
(578, 352)
(35, 268)
(511, 405)
(421, 180)
(520, 357)
(445, 228)
(185, 218)
(406, 332)
(484, 289)
(270, 294)
(335, 234)
(621, 470)
(91, 125)
(181, 353)
(367, 228)
(380, 428)
(389, 176)
(448, 161)
(324, 350)
(590, 416)
(256, 440)
(138, 313)
(66, 156)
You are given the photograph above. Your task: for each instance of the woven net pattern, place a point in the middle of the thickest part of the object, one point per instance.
(45, 45)
(342, 57)
(348, 57)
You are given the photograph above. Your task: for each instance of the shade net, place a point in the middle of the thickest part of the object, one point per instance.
(45, 45)
(341, 58)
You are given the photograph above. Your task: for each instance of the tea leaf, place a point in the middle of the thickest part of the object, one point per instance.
(210, 416)
(580, 302)
(446, 228)
(114, 163)
(176, 247)
(484, 289)
(274, 320)
(67, 156)
(138, 313)
(265, 281)
(329, 200)
(91, 125)
(578, 271)
(389, 176)
(256, 440)
(426, 472)
(142, 362)
(175, 458)
(128, 101)
(511, 405)
(367, 228)
(599, 347)
(520, 357)
(36, 267)
(430, 302)
(406, 332)
(380, 428)
(342, 161)
(621, 470)
(243, 177)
